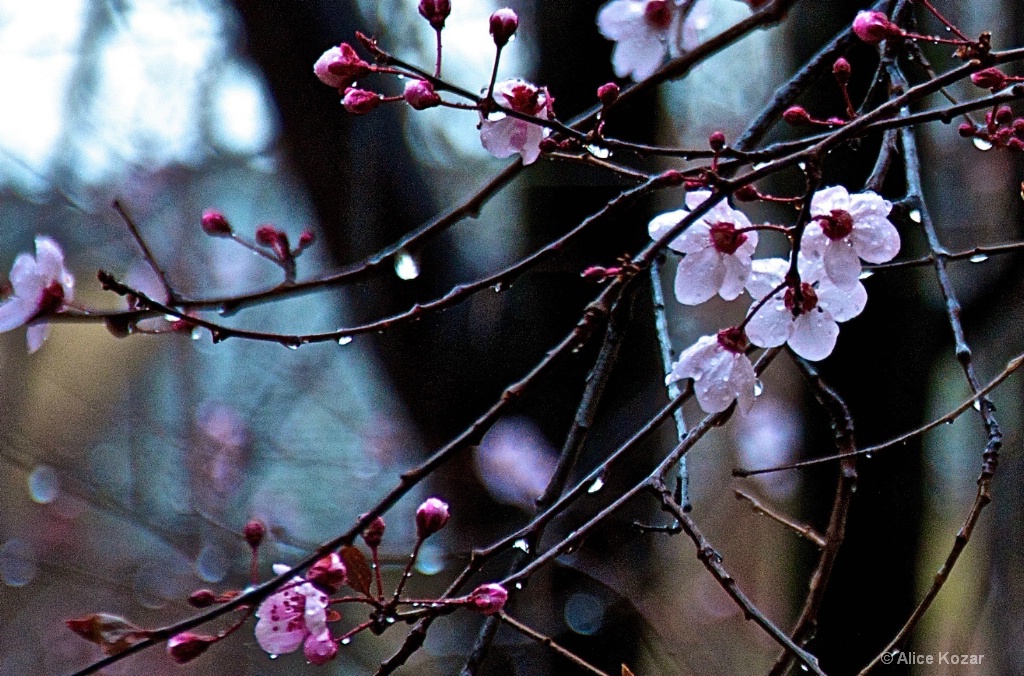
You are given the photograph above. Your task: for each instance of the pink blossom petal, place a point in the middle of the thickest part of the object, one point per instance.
(737, 271)
(320, 648)
(827, 199)
(638, 57)
(842, 303)
(814, 335)
(744, 380)
(25, 279)
(691, 361)
(765, 275)
(16, 311)
(713, 389)
(772, 324)
(876, 240)
(662, 223)
(699, 276)
(36, 334)
(695, 198)
(49, 259)
(841, 263)
(618, 20)
(496, 137)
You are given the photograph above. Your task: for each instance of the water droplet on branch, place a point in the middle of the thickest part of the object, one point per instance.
(406, 266)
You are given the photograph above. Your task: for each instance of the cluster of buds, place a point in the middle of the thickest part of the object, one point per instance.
(1001, 130)
(299, 612)
(798, 115)
(270, 242)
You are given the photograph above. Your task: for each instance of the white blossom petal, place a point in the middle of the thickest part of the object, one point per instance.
(16, 312)
(842, 303)
(49, 259)
(662, 223)
(36, 334)
(693, 358)
(737, 272)
(771, 325)
(713, 389)
(825, 200)
(765, 275)
(841, 263)
(744, 380)
(876, 240)
(25, 279)
(814, 335)
(699, 276)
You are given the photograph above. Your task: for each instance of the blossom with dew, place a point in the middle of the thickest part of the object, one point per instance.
(644, 30)
(720, 369)
(340, 66)
(717, 250)
(294, 616)
(420, 95)
(503, 135)
(41, 285)
(846, 228)
(807, 321)
(488, 599)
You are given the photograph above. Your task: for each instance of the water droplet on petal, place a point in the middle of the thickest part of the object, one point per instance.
(978, 258)
(406, 266)
(758, 388)
(596, 486)
(982, 144)
(344, 340)
(915, 215)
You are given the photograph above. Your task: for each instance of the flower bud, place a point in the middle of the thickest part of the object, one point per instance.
(420, 95)
(717, 141)
(202, 598)
(435, 11)
(340, 66)
(841, 70)
(266, 235)
(186, 646)
(431, 517)
(966, 129)
(608, 93)
(796, 115)
(873, 27)
(307, 238)
(328, 573)
(215, 225)
(1015, 144)
(488, 599)
(360, 101)
(990, 78)
(747, 193)
(373, 534)
(1004, 115)
(504, 23)
(254, 530)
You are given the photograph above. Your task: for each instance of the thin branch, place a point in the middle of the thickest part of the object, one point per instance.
(550, 643)
(172, 296)
(803, 530)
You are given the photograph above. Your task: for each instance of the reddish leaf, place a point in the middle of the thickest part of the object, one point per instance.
(359, 574)
(110, 632)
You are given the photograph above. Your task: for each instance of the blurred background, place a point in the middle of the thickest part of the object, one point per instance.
(130, 466)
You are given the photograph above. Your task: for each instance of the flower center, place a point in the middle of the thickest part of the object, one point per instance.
(658, 14)
(51, 299)
(725, 238)
(523, 98)
(802, 303)
(837, 225)
(733, 339)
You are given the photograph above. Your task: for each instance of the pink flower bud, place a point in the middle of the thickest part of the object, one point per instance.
(254, 530)
(990, 78)
(873, 27)
(1015, 144)
(307, 238)
(373, 534)
(504, 23)
(966, 129)
(340, 66)
(435, 11)
(420, 95)
(548, 145)
(1004, 115)
(488, 599)
(215, 225)
(360, 101)
(431, 517)
(328, 573)
(746, 193)
(671, 177)
(608, 93)
(841, 70)
(267, 236)
(796, 115)
(717, 141)
(186, 646)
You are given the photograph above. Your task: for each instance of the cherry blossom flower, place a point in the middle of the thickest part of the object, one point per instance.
(717, 259)
(809, 321)
(41, 286)
(846, 228)
(644, 30)
(294, 616)
(503, 135)
(720, 369)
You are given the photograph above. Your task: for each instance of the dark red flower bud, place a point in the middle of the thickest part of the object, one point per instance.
(1015, 144)
(420, 95)
(747, 193)
(202, 598)
(504, 23)
(307, 238)
(873, 27)
(966, 129)
(254, 532)
(215, 225)
(841, 70)
(431, 517)
(990, 78)
(717, 141)
(488, 599)
(328, 573)
(608, 93)
(1004, 115)
(435, 12)
(360, 101)
(373, 534)
(796, 115)
(549, 145)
